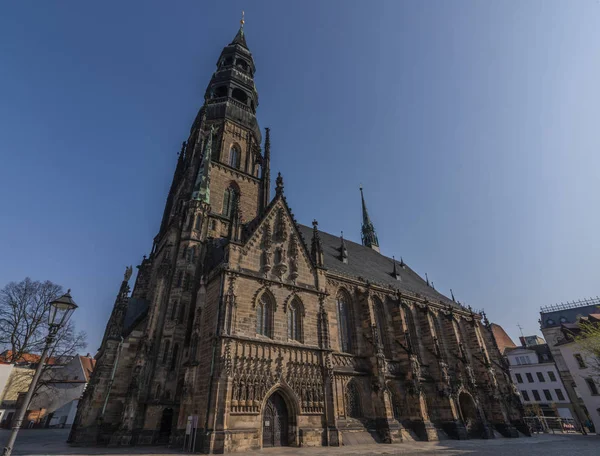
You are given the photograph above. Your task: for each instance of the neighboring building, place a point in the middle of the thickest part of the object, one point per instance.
(15, 388)
(535, 374)
(551, 320)
(55, 401)
(62, 387)
(503, 340)
(583, 367)
(528, 341)
(5, 371)
(246, 329)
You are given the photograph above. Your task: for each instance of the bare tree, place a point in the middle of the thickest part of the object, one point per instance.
(24, 308)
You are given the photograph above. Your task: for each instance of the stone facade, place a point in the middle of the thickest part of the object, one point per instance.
(246, 329)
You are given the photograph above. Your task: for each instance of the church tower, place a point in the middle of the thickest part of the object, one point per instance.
(221, 164)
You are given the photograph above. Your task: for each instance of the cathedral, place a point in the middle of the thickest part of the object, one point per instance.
(246, 329)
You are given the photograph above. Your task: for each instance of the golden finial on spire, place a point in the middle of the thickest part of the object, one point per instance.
(242, 21)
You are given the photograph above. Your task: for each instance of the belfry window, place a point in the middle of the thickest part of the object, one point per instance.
(345, 324)
(234, 156)
(220, 92)
(264, 316)
(241, 64)
(295, 320)
(239, 95)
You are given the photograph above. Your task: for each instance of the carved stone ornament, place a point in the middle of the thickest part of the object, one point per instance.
(280, 226)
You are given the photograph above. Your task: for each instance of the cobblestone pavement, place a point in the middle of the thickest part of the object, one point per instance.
(52, 442)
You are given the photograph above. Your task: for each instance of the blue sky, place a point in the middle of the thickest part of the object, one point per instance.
(473, 127)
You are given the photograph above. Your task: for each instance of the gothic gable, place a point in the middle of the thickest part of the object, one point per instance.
(275, 248)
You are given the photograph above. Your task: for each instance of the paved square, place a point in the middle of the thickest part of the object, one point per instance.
(52, 442)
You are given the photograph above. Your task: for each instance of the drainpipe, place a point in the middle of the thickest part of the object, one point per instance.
(214, 352)
(112, 377)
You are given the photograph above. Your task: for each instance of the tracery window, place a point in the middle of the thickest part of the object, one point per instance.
(174, 357)
(295, 320)
(234, 156)
(264, 316)
(173, 310)
(166, 352)
(181, 313)
(229, 200)
(344, 322)
(353, 409)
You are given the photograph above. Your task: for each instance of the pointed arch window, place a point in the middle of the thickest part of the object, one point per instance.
(166, 352)
(235, 156)
(174, 357)
(264, 316)
(173, 310)
(191, 253)
(382, 328)
(193, 348)
(181, 313)
(344, 322)
(229, 200)
(295, 312)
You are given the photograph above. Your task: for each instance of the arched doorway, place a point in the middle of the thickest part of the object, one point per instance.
(275, 422)
(166, 423)
(468, 412)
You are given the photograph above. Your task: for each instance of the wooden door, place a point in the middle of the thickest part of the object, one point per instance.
(275, 422)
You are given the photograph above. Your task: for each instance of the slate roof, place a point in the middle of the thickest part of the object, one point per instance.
(370, 265)
(558, 317)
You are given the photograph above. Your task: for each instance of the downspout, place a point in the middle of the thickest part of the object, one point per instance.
(112, 377)
(214, 352)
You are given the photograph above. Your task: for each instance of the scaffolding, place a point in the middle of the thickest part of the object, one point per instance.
(571, 305)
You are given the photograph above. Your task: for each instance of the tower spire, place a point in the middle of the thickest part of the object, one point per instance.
(368, 235)
(239, 37)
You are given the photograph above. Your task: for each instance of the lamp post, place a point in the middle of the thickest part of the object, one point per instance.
(61, 310)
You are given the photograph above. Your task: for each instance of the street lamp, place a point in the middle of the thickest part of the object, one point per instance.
(61, 310)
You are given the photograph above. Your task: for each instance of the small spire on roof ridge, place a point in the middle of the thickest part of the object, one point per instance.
(343, 249)
(452, 294)
(401, 262)
(427, 279)
(395, 271)
(432, 285)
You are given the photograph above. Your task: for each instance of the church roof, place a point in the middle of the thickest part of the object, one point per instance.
(366, 263)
